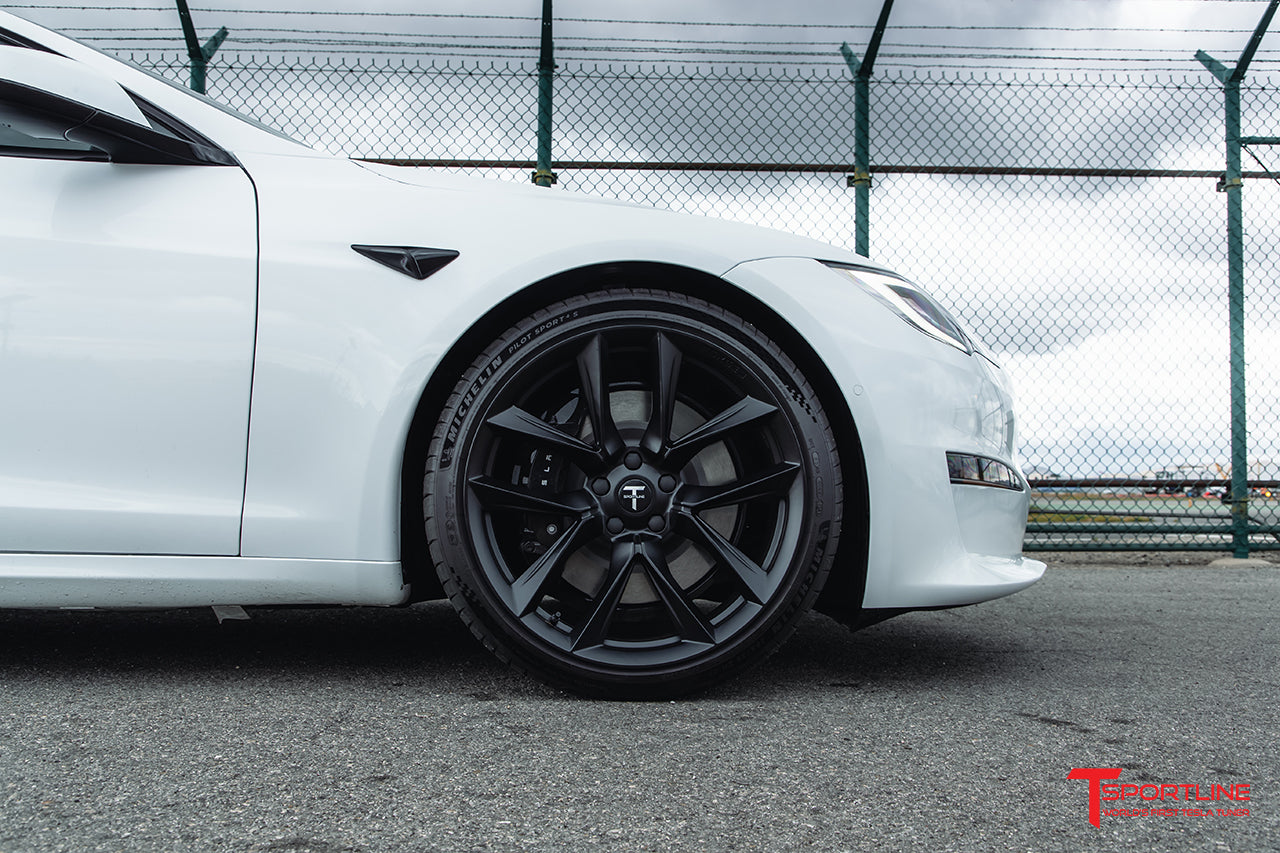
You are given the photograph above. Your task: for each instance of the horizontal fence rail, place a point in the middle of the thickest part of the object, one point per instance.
(818, 168)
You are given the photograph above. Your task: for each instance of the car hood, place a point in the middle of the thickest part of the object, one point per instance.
(434, 178)
(592, 214)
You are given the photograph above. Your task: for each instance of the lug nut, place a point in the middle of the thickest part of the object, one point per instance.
(667, 483)
(600, 486)
(614, 525)
(632, 460)
(656, 523)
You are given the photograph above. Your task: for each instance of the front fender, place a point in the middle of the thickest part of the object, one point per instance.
(345, 346)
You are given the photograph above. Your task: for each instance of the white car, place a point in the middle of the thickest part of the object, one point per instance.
(632, 447)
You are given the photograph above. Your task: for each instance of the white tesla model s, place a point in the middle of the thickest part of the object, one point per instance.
(632, 447)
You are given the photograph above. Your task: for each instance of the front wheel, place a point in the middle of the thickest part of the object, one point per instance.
(632, 494)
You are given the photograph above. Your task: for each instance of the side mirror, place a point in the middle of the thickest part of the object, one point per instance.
(47, 96)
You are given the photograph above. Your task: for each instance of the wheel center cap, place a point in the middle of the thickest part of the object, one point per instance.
(635, 495)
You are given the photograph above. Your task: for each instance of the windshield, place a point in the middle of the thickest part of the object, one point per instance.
(218, 105)
(18, 41)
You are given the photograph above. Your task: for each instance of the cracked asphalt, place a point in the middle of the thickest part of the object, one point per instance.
(391, 730)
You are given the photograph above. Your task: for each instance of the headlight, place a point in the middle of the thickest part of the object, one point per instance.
(910, 303)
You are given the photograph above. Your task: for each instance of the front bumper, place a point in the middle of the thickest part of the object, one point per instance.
(932, 542)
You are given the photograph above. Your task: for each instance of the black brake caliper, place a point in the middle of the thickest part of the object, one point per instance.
(546, 472)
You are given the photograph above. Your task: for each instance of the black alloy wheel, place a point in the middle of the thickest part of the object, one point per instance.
(632, 494)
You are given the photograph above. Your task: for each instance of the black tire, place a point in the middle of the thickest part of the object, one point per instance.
(649, 547)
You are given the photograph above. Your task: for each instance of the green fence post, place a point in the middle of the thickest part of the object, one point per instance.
(861, 178)
(542, 175)
(1233, 184)
(199, 55)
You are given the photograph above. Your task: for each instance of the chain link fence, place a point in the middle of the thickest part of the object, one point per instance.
(1073, 221)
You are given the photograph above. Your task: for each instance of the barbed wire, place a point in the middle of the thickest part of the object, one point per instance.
(560, 38)
(1004, 54)
(887, 58)
(643, 22)
(598, 43)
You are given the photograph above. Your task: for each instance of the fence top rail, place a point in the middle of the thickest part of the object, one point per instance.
(834, 168)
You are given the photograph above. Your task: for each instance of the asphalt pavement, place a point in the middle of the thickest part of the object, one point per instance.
(391, 730)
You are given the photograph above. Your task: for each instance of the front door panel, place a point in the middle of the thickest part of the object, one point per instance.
(127, 305)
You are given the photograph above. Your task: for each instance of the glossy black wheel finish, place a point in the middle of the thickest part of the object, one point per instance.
(632, 494)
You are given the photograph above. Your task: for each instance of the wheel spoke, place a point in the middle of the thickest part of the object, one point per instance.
(595, 629)
(775, 483)
(689, 621)
(517, 421)
(595, 395)
(743, 413)
(755, 581)
(529, 588)
(662, 408)
(496, 494)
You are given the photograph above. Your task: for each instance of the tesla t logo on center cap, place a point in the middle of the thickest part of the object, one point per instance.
(635, 495)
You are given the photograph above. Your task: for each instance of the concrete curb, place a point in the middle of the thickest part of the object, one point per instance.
(1243, 563)
(1154, 559)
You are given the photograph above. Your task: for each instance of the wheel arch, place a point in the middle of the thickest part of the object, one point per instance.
(842, 595)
